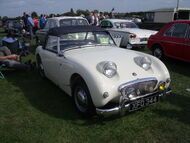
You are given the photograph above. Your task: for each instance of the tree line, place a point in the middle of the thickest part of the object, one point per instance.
(81, 12)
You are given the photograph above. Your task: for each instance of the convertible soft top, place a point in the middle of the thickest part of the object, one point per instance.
(57, 31)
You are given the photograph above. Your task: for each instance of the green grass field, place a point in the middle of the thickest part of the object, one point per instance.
(35, 110)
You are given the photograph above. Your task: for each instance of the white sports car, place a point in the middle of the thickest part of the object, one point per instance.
(126, 33)
(101, 77)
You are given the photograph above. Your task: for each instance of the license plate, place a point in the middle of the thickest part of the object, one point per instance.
(143, 102)
(143, 39)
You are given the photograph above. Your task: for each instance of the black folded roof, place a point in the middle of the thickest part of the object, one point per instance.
(57, 31)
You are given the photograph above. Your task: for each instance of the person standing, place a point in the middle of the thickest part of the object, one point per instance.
(89, 18)
(42, 21)
(30, 23)
(96, 20)
(36, 24)
(25, 23)
(101, 17)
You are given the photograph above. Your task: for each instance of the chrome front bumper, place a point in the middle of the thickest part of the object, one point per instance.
(122, 109)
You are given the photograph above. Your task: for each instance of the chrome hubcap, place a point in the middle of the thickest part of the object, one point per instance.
(41, 69)
(158, 53)
(81, 100)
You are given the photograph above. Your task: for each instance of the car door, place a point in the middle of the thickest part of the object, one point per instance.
(187, 46)
(50, 59)
(173, 40)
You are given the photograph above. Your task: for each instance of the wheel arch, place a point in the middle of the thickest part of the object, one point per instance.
(156, 45)
(73, 79)
(38, 58)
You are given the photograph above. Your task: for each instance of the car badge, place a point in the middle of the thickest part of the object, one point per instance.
(134, 74)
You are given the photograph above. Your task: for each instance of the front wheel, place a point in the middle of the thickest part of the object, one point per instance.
(37, 41)
(158, 52)
(82, 99)
(40, 67)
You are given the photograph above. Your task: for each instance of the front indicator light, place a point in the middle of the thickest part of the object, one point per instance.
(162, 86)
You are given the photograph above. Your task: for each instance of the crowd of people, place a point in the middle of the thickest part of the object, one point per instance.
(32, 24)
(96, 18)
(11, 49)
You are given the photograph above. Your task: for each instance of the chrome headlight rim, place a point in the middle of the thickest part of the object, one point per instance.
(108, 68)
(144, 62)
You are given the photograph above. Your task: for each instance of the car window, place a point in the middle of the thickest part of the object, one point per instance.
(71, 40)
(69, 22)
(169, 31)
(106, 24)
(188, 36)
(52, 44)
(81, 22)
(177, 30)
(125, 25)
(47, 25)
(52, 23)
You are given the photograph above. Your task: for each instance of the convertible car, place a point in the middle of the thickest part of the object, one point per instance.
(101, 77)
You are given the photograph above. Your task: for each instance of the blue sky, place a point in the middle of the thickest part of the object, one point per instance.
(14, 8)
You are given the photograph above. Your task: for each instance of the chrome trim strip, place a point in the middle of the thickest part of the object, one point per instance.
(169, 42)
(135, 81)
(85, 46)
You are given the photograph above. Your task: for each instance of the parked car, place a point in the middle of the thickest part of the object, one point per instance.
(85, 62)
(13, 25)
(126, 33)
(57, 22)
(173, 40)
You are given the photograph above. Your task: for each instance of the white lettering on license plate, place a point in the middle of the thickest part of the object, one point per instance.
(143, 102)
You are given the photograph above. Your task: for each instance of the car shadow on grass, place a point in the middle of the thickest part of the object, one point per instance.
(44, 95)
(177, 108)
(177, 66)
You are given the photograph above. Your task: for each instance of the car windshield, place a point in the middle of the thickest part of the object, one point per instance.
(125, 25)
(71, 40)
(70, 22)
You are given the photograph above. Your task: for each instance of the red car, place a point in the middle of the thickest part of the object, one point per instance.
(173, 40)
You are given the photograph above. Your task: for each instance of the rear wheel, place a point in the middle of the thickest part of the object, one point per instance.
(158, 52)
(82, 99)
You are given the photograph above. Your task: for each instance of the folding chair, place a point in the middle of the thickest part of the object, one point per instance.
(1, 74)
(13, 47)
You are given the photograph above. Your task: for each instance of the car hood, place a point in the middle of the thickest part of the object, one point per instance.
(123, 58)
(142, 33)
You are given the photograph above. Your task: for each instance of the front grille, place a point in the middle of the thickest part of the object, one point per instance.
(138, 87)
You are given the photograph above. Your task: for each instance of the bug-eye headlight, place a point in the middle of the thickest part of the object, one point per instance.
(144, 62)
(108, 68)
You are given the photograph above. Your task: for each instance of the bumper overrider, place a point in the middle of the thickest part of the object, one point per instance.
(136, 95)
